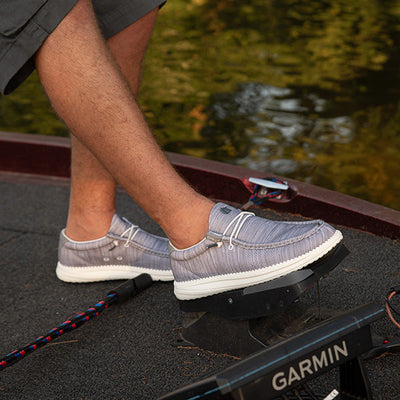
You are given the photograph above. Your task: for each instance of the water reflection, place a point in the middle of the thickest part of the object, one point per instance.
(307, 137)
(308, 89)
(326, 110)
(279, 124)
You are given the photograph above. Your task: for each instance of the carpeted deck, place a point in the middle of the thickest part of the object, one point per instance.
(130, 350)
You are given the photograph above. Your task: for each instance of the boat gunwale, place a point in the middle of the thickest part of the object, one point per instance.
(27, 157)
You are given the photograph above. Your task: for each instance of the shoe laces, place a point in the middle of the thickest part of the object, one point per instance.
(240, 220)
(130, 233)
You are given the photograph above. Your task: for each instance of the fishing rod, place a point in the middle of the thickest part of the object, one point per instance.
(127, 290)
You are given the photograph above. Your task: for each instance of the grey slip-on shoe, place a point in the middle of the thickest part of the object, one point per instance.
(124, 253)
(242, 250)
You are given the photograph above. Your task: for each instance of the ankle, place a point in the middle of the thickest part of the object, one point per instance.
(190, 226)
(88, 226)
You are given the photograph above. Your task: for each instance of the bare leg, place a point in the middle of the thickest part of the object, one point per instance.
(92, 199)
(97, 105)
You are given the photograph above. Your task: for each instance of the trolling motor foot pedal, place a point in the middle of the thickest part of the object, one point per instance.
(270, 297)
(240, 338)
(227, 322)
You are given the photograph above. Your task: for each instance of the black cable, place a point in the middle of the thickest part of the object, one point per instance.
(389, 302)
(387, 347)
(393, 292)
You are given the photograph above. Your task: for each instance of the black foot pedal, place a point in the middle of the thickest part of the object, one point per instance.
(218, 334)
(243, 321)
(240, 338)
(270, 297)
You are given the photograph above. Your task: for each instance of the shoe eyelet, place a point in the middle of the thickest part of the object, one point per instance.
(106, 259)
(230, 247)
(119, 258)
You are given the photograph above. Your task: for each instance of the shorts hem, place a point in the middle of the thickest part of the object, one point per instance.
(18, 58)
(125, 15)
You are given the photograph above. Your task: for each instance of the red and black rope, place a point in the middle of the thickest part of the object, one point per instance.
(128, 289)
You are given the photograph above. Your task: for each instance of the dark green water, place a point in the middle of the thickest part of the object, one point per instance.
(304, 89)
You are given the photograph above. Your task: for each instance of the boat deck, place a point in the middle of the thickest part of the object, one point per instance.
(130, 350)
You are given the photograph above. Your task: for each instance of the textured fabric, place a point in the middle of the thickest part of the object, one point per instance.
(125, 252)
(250, 251)
(116, 15)
(25, 25)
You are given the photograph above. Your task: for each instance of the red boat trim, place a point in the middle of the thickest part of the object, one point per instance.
(35, 154)
(50, 156)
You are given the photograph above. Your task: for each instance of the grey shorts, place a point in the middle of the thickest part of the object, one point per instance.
(22, 32)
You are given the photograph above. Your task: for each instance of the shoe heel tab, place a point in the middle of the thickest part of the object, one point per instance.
(171, 248)
(63, 237)
(62, 241)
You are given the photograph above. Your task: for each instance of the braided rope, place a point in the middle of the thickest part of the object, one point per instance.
(66, 326)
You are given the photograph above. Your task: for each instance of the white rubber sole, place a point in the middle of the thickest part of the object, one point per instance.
(189, 290)
(107, 273)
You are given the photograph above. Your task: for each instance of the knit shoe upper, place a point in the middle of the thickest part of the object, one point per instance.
(124, 253)
(242, 249)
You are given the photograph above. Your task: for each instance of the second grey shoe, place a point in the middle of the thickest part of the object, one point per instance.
(241, 250)
(124, 253)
